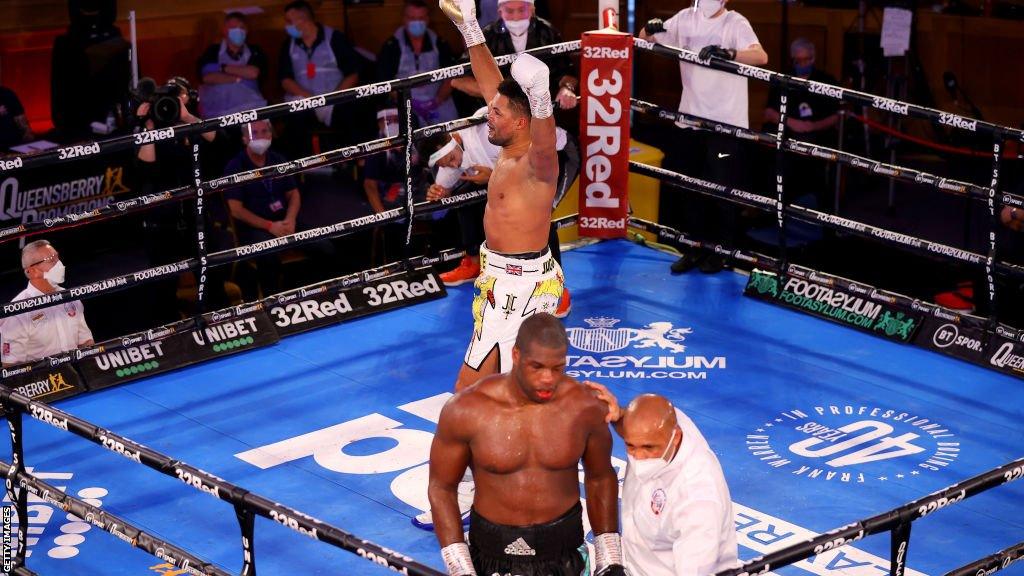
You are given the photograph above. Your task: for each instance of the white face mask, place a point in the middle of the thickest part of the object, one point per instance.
(259, 146)
(709, 8)
(55, 275)
(648, 468)
(517, 26)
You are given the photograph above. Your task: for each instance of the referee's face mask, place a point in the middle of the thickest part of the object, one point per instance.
(647, 468)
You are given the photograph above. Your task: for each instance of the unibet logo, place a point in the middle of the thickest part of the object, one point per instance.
(853, 444)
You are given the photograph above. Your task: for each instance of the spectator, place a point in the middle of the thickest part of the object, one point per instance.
(520, 29)
(809, 117)
(487, 10)
(47, 331)
(262, 209)
(231, 71)
(315, 59)
(677, 515)
(414, 49)
(14, 128)
(712, 30)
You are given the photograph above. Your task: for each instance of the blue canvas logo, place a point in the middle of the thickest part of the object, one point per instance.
(854, 444)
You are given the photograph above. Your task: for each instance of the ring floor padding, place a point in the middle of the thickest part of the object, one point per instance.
(760, 382)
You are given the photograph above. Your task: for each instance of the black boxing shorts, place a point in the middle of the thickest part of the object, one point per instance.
(555, 548)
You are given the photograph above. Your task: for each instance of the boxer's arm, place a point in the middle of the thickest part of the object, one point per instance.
(600, 480)
(485, 71)
(449, 457)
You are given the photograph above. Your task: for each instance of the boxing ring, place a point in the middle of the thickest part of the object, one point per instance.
(314, 437)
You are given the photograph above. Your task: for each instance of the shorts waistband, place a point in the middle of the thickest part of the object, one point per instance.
(540, 264)
(520, 255)
(539, 542)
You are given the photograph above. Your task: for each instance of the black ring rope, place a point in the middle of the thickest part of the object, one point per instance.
(207, 483)
(882, 522)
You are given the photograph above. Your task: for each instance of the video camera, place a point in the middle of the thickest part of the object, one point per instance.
(164, 101)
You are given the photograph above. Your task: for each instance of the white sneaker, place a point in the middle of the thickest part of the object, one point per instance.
(425, 520)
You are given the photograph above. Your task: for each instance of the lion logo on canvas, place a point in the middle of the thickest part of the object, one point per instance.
(655, 351)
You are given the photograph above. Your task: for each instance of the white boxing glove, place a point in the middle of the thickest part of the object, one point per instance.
(532, 75)
(463, 14)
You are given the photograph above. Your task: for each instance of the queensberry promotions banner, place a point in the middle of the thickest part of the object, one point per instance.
(45, 383)
(605, 79)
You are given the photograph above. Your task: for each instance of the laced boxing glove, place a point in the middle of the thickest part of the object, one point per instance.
(463, 14)
(532, 75)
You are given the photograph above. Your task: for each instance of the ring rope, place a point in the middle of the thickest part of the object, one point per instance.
(863, 163)
(129, 141)
(992, 563)
(962, 123)
(287, 168)
(208, 483)
(811, 216)
(882, 522)
(1008, 155)
(123, 530)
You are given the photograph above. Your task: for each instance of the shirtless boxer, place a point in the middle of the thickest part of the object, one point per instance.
(523, 434)
(518, 275)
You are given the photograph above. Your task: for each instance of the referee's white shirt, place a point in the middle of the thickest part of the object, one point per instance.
(44, 332)
(709, 93)
(681, 522)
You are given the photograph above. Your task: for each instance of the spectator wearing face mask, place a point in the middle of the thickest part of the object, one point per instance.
(47, 331)
(517, 29)
(262, 209)
(811, 118)
(315, 59)
(414, 49)
(231, 71)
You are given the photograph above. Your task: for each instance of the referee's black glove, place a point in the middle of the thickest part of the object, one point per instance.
(717, 51)
(654, 26)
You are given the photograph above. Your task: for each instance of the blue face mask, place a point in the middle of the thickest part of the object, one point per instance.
(293, 31)
(236, 36)
(803, 70)
(417, 28)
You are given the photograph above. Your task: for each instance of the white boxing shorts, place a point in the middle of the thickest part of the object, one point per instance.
(510, 288)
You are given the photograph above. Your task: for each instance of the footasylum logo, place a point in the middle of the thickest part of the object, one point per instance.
(654, 351)
(854, 444)
(830, 302)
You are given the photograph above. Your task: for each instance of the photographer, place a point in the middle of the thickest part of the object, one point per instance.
(168, 230)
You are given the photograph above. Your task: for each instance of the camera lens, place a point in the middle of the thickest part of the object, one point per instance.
(166, 110)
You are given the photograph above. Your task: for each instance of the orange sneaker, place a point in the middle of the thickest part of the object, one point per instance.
(564, 305)
(467, 271)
